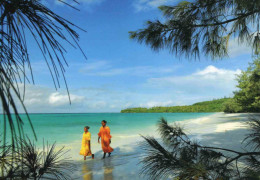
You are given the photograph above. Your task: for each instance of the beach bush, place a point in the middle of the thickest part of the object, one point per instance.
(180, 157)
(189, 29)
(232, 106)
(29, 162)
(248, 93)
(20, 19)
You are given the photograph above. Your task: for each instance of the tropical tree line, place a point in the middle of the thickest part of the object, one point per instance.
(247, 97)
(217, 105)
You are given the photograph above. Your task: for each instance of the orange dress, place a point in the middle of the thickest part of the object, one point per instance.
(85, 145)
(104, 133)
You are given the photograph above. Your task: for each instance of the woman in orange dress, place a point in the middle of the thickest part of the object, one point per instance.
(85, 145)
(104, 134)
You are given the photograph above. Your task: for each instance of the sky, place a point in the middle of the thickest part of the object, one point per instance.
(121, 73)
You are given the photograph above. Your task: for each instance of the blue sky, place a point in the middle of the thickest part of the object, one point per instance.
(120, 72)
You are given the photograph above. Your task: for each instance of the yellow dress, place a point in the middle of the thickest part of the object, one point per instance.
(85, 145)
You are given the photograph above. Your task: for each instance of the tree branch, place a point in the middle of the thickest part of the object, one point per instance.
(227, 21)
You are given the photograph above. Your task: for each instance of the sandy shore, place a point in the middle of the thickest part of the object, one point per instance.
(219, 129)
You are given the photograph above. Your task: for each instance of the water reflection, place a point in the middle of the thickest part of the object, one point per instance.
(95, 169)
(87, 171)
(108, 169)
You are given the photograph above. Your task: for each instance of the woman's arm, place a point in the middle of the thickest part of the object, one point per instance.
(109, 135)
(99, 135)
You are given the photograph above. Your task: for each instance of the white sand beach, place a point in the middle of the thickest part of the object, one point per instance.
(219, 129)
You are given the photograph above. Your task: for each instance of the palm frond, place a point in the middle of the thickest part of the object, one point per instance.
(183, 158)
(253, 138)
(55, 165)
(158, 163)
(19, 20)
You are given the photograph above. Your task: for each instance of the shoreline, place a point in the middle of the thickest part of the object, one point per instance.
(218, 129)
(218, 122)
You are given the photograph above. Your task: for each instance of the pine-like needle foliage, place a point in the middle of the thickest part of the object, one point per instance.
(18, 20)
(21, 20)
(32, 163)
(181, 158)
(203, 26)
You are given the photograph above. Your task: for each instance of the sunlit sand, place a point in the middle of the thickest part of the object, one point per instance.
(219, 129)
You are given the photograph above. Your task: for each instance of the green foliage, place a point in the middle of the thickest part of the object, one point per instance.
(206, 106)
(232, 106)
(18, 20)
(32, 163)
(248, 95)
(246, 98)
(203, 26)
(179, 157)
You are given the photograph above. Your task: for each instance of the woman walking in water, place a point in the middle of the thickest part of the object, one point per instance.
(104, 134)
(85, 145)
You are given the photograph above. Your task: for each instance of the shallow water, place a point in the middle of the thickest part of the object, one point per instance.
(66, 130)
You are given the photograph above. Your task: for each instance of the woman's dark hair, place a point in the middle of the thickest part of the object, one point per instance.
(87, 127)
(104, 121)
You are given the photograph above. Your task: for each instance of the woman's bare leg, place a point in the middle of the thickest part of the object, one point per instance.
(84, 157)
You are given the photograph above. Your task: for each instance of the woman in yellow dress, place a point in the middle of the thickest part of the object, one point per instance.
(104, 134)
(85, 145)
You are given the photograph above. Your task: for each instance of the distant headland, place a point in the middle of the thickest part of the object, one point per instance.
(215, 105)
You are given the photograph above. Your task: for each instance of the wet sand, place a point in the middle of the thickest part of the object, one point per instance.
(220, 129)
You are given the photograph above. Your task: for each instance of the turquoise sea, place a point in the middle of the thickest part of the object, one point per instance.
(67, 128)
(126, 128)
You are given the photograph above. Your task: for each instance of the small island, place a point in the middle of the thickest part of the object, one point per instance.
(216, 105)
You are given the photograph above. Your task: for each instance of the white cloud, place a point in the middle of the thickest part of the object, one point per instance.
(58, 99)
(205, 84)
(103, 68)
(43, 99)
(95, 66)
(236, 49)
(150, 104)
(100, 105)
(39, 99)
(211, 80)
(142, 5)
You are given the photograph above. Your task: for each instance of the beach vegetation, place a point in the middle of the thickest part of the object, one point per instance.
(180, 157)
(192, 28)
(189, 29)
(248, 93)
(232, 106)
(247, 96)
(29, 162)
(22, 21)
(216, 105)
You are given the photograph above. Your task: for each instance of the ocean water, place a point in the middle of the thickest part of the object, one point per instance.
(126, 128)
(67, 129)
